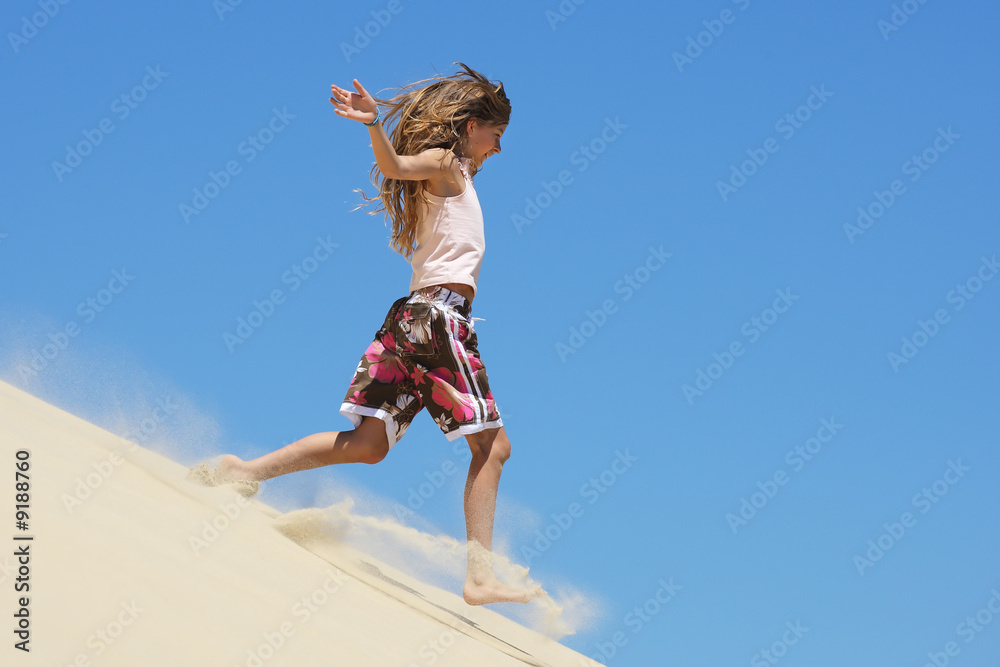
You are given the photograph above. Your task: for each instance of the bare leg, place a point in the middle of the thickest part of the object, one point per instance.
(365, 444)
(490, 449)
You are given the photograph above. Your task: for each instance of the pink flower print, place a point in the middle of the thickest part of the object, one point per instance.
(445, 376)
(475, 364)
(382, 343)
(461, 385)
(374, 351)
(358, 397)
(445, 395)
(390, 370)
(419, 375)
(385, 367)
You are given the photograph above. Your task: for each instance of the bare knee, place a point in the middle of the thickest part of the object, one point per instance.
(372, 442)
(491, 444)
(375, 452)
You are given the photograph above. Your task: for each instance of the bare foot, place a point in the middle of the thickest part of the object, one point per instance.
(482, 585)
(233, 469)
(231, 472)
(494, 590)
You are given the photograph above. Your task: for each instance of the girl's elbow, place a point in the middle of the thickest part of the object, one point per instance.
(391, 171)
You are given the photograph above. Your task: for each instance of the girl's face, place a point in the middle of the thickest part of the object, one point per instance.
(483, 141)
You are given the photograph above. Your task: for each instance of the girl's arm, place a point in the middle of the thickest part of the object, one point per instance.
(434, 163)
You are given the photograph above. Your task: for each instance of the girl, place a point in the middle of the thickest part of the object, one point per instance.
(425, 354)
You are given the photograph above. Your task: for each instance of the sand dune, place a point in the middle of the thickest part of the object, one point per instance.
(130, 564)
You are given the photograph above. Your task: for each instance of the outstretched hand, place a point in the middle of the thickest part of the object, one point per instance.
(359, 106)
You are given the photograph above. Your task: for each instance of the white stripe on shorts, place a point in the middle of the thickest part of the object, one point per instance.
(466, 369)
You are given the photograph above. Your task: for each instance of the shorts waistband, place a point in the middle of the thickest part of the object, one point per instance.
(446, 297)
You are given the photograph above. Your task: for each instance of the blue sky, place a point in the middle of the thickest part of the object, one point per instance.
(680, 184)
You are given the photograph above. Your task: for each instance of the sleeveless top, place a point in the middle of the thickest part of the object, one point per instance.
(450, 239)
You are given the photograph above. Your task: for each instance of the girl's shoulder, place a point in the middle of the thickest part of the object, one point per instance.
(445, 157)
(453, 174)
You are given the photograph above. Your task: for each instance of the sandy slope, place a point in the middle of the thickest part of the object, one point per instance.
(132, 565)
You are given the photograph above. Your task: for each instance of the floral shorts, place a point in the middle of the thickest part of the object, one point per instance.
(424, 356)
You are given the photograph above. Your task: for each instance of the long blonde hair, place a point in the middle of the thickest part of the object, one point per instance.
(432, 113)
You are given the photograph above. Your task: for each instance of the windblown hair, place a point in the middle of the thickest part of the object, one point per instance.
(432, 113)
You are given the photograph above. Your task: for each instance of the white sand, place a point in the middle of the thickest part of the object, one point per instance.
(133, 565)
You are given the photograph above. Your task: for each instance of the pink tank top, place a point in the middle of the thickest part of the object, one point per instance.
(450, 240)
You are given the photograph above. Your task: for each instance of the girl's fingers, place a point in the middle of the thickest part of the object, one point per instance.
(346, 102)
(361, 89)
(340, 94)
(342, 110)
